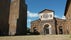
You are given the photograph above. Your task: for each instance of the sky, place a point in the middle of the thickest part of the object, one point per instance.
(35, 6)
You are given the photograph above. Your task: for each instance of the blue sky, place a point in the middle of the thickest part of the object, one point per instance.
(35, 6)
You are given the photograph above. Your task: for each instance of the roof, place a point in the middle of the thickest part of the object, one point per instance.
(46, 10)
(67, 6)
(58, 18)
(35, 21)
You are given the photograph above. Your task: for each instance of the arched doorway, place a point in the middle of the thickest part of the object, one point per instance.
(47, 29)
(60, 30)
(35, 32)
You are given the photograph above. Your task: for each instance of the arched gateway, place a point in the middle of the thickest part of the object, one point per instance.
(47, 28)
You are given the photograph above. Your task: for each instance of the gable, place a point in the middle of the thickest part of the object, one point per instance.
(46, 11)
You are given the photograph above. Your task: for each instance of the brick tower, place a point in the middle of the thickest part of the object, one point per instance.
(4, 16)
(17, 17)
(68, 17)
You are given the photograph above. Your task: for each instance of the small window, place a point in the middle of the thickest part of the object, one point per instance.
(45, 16)
(50, 16)
(68, 30)
(41, 16)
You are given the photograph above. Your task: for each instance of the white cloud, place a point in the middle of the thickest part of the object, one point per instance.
(57, 16)
(29, 20)
(63, 17)
(31, 14)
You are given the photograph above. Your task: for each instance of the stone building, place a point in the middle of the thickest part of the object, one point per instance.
(18, 17)
(48, 24)
(13, 17)
(68, 16)
(4, 16)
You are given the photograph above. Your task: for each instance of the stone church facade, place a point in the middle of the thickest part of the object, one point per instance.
(66, 24)
(13, 17)
(48, 24)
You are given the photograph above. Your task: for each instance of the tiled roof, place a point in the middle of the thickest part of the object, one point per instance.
(46, 10)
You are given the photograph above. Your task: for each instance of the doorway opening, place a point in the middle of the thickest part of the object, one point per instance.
(46, 29)
(60, 30)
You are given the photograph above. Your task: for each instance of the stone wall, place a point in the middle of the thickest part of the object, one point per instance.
(13, 16)
(4, 16)
(18, 18)
(68, 16)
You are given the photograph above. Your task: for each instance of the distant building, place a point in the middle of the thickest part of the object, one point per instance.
(13, 17)
(48, 24)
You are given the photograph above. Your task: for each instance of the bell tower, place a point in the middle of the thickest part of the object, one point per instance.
(22, 20)
(67, 14)
(17, 17)
(4, 16)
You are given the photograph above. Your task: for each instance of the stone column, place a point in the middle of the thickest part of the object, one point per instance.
(13, 16)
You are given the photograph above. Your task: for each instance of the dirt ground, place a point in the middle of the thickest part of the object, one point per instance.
(37, 37)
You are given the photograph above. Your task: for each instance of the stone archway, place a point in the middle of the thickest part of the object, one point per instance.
(60, 30)
(47, 28)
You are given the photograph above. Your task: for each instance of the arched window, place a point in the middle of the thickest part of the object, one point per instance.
(67, 30)
(60, 30)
